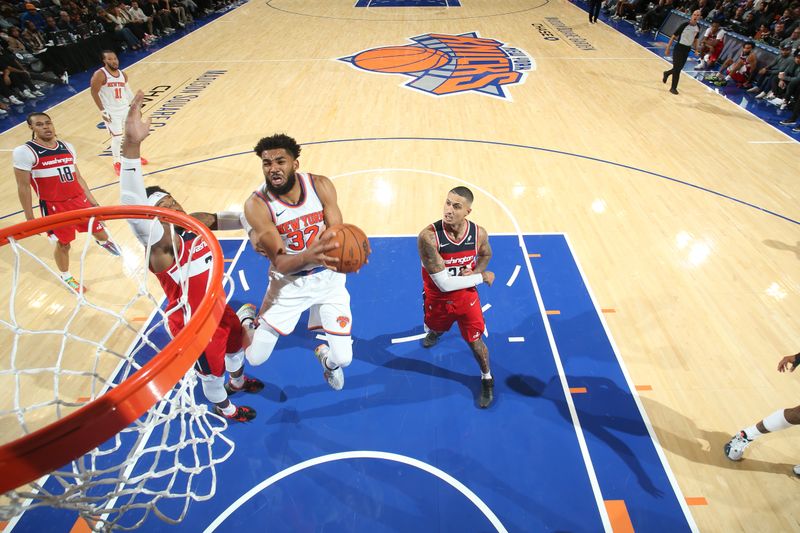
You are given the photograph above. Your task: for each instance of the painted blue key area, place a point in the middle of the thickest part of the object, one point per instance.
(408, 3)
(520, 457)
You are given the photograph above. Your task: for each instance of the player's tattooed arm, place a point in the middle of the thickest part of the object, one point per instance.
(428, 252)
(484, 251)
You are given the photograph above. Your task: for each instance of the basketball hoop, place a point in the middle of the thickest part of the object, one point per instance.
(140, 398)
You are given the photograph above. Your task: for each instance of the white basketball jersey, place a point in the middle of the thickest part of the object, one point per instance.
(115, 94)
(298, 224)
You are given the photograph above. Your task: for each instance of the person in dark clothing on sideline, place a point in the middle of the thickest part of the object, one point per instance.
(685, 38)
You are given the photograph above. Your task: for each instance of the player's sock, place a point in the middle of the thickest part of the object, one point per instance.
(752, 432)
(487, 375)
(238, 382)
(116, 148)
(228, 411)
(65, 276)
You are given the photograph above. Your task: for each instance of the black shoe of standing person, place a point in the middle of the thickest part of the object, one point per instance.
(674, 91)
(487, 393)
(430, 339)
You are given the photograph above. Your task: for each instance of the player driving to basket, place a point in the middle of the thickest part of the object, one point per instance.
(181, 262)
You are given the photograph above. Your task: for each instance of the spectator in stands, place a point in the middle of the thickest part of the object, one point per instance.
(138, 17)
(655, 16)
(786, 84)
(116, 25)
(161, 21)
(65, 23)
(52, 33)
(711, 46)
(793, 40)
(742, 69)
(32, 14)
(14, 41)
(762, 34)
(764, 79)
(17, 84)
(177, 13)
(795, 18)
(32, 37)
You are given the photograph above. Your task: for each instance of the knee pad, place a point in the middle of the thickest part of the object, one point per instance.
(213, 387)
(264, 340)
(341, 353)
(234, 361)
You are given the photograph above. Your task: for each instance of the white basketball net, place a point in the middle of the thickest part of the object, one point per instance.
(87, 344)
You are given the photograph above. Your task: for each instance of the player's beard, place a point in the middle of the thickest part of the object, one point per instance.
(283, 189)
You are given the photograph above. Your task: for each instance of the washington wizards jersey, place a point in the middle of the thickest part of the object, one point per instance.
(457, 255)
(186, 279)
(53, 170)
(298, 224)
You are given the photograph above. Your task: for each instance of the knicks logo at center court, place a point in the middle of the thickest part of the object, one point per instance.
(441, 64)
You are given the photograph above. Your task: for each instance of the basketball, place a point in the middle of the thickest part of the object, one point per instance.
(400, 59)
(353, 249)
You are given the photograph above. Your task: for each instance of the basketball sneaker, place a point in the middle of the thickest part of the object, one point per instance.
(73, 284)
(109, 247)
(335, 378)
(243, 413)
(249, 385)
(430, 339)
(487, 393)
(735, 447)
(117, 167)
(796, 470)
(247, 312)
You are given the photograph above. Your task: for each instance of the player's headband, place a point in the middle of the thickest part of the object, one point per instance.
(156, 197)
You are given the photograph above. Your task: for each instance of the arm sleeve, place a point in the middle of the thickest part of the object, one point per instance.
(447, 283)
(132, 192)
(228, 220)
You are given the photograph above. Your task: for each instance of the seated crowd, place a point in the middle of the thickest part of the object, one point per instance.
(774, 23)
(28, 29)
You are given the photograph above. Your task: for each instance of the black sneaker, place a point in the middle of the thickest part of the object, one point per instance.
(665, 77)
(796, 129)
(430, 339)
(487, 393)
(674, 91)
(243, 413)
(249, 385)
(787, 122)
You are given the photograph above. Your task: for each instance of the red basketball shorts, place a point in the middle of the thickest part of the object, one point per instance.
(463, 307)
(226, 339)
(66, 234)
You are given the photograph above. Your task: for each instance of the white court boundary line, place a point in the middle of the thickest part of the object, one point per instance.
(659, 450)
(601, 508)
(364, 454)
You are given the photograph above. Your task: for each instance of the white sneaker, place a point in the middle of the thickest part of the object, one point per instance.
(247, 312)
(14, 100)
(735, 447)
(761, 95)
(776, 101)
(28, 94)
(796, 470)
(701, 65)
(335, 378)
(38, 94)
(65, 78)
(3, 112)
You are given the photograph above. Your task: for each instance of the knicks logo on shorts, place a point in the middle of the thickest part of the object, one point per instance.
(343, 321)
(441, 64)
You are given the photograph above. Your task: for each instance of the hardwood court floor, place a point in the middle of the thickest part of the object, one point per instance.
(683, 210)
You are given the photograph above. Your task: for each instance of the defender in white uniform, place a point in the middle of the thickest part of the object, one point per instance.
(113, 96)
(288, 216)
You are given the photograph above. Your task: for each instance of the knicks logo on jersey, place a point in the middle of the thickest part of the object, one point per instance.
(442, 64)
(343, 321)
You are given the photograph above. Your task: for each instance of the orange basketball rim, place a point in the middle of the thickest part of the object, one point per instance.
(40, 452)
